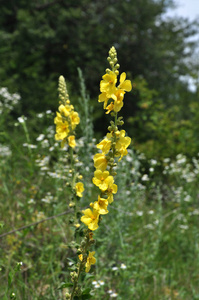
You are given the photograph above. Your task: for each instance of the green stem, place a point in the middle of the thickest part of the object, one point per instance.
(76, 281)
(80, 267)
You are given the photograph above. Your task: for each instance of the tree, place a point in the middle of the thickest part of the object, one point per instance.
(42, 39)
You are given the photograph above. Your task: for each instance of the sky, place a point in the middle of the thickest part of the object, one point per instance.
(186, 8)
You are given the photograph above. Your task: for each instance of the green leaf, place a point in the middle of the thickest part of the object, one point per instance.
(86, 296)
(86, 291)
(64, 285)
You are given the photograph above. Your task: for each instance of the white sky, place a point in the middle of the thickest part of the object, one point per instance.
(186, 8)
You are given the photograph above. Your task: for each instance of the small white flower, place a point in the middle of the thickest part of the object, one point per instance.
(114, 268)
(94, 282)
(149, 226)
(31, 201)
(110, 291)
(123, 266)
(40, 115)
(139, 213)
(114, 295)
(151, 212)
(184, 227)
(166, 160)
(97, 285)
(151, 169)
(40, 137)
(145, 177)
(101, 282)
(32, 146)
(153, 162)
(48, 112)
(187, 198)
(21, 119)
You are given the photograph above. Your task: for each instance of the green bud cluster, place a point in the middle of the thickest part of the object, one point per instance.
(63, 93)
(112, 59)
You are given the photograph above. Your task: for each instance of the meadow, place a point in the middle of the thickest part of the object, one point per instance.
(148, 246)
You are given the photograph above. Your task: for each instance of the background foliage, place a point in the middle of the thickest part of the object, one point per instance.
(42, 39)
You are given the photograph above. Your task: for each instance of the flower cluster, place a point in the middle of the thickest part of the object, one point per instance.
(108, 88)
(113, 146)
(67, 119)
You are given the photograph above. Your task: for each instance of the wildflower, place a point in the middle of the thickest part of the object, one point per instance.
(112, 189)
(114, 295)
(139, 213)
(80, 257)
(100, 161)
(123, 266)
(79, 187)
(101, 206)
(74, 117)
(40, 137)
(64, 110)
(104, 145)
(90, 261)
(145, 177)
(125, 84)
(22, 119)
(102, 179)
(90, 218)
(118, 103)
(71, 141)
(103, 98)
(62, 129)
(110, 108)
(107, 85)
(122, 144)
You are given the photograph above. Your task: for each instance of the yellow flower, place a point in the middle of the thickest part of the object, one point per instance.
(90, 261)
(103, 98)
(104, 145)
(107, 85)
(112, 189)
(122, 144)
(80, 257)
(101, 206)
(74, 117)
(90, 218)
(62, 130)
(100, 161)
(77, 225)
(118, 103)
(79, 187)
(102, 179)
(110, 108)
(64, 110)
(125, 84)
(71, 141)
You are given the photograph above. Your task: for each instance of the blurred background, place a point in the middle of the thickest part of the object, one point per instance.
(158, 46)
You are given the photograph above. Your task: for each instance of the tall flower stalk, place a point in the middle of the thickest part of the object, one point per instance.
(112, 149)
(66, 121)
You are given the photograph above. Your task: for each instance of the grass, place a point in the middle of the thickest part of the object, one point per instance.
(147, 248)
